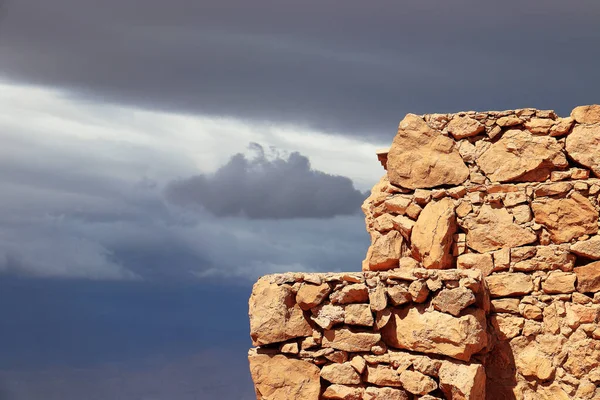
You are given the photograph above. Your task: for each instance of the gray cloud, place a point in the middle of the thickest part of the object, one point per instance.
(107, 220)
(353, 69)
(263, 187)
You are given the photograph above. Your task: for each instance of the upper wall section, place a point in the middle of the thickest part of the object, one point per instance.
(525, 145)
(480, 185)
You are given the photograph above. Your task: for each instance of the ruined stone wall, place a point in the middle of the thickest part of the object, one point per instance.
(506, 204)
(399, 334)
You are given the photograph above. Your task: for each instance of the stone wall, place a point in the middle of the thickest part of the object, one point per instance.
(482, 275)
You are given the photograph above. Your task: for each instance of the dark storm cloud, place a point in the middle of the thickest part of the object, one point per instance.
(268, 188)
(349, 67)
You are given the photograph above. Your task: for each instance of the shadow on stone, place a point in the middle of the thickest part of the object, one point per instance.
(501, 373)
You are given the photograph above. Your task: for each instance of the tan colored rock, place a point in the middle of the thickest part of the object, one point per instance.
(343, 374)
(532, 328)
(417, 383)
(358, 314)
(453, 301)
(355, 293)
(385, 251)
(481, 262)
(493, 228)
(509, 120)
(432, 234)
(383, 223)
(281, 378)
(577, 314)
(553, 189)
(463, 127)
(586, 114)
(337, 356)
(328, 315)
(583, 358)
(566, 218)
(545, 258)
(509, 284)
(462, 382)
(274, 314)
(310, 296)
(531, 360)
(378, 298)
(403, 225)
(463, 209)
(514, 198)
(426, 365)
(398, 295)
(359, 364)
(433, 332)
(506, 305)
(349, 340)
(384, 393)
(518, 154)
(586, 390)
(383, 375)
(583, 145)
(507, 326)
(289, 348)
(421, 157)
(588, 248)
(540, 126)
(419, 291)
(559, 282)
(398, 204)
(342, 392)
(531, 311)
(562, 126)
(501, 259)
(588, 277)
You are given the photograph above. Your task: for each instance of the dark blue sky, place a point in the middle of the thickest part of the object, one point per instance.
(56, 332)
(157, 157)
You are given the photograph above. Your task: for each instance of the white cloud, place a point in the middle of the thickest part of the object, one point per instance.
(159, 143)
(82, 198)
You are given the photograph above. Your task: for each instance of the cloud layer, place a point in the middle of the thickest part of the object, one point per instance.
(350, 69)
(85, 198)
(261, 187)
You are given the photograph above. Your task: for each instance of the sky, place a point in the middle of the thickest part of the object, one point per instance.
(157, 157)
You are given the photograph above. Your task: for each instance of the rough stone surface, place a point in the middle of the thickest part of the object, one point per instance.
(518, 153)
(385, 251)
(343, 374)
(453, 301)
(349, 340)
(384, 393)
(494, 228)
(420, 157)
(281, 378)
(588, 277)
(461, 381)
(342, 392)
(583, 145)
(494, 296)
(432, 234)
(462, 127)
(559, 282)
(586, 114)
(310, 295)
(588, 248)
(416, 329)
(509, 284)
(274, 314)
(417, 383)
(567, 218)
